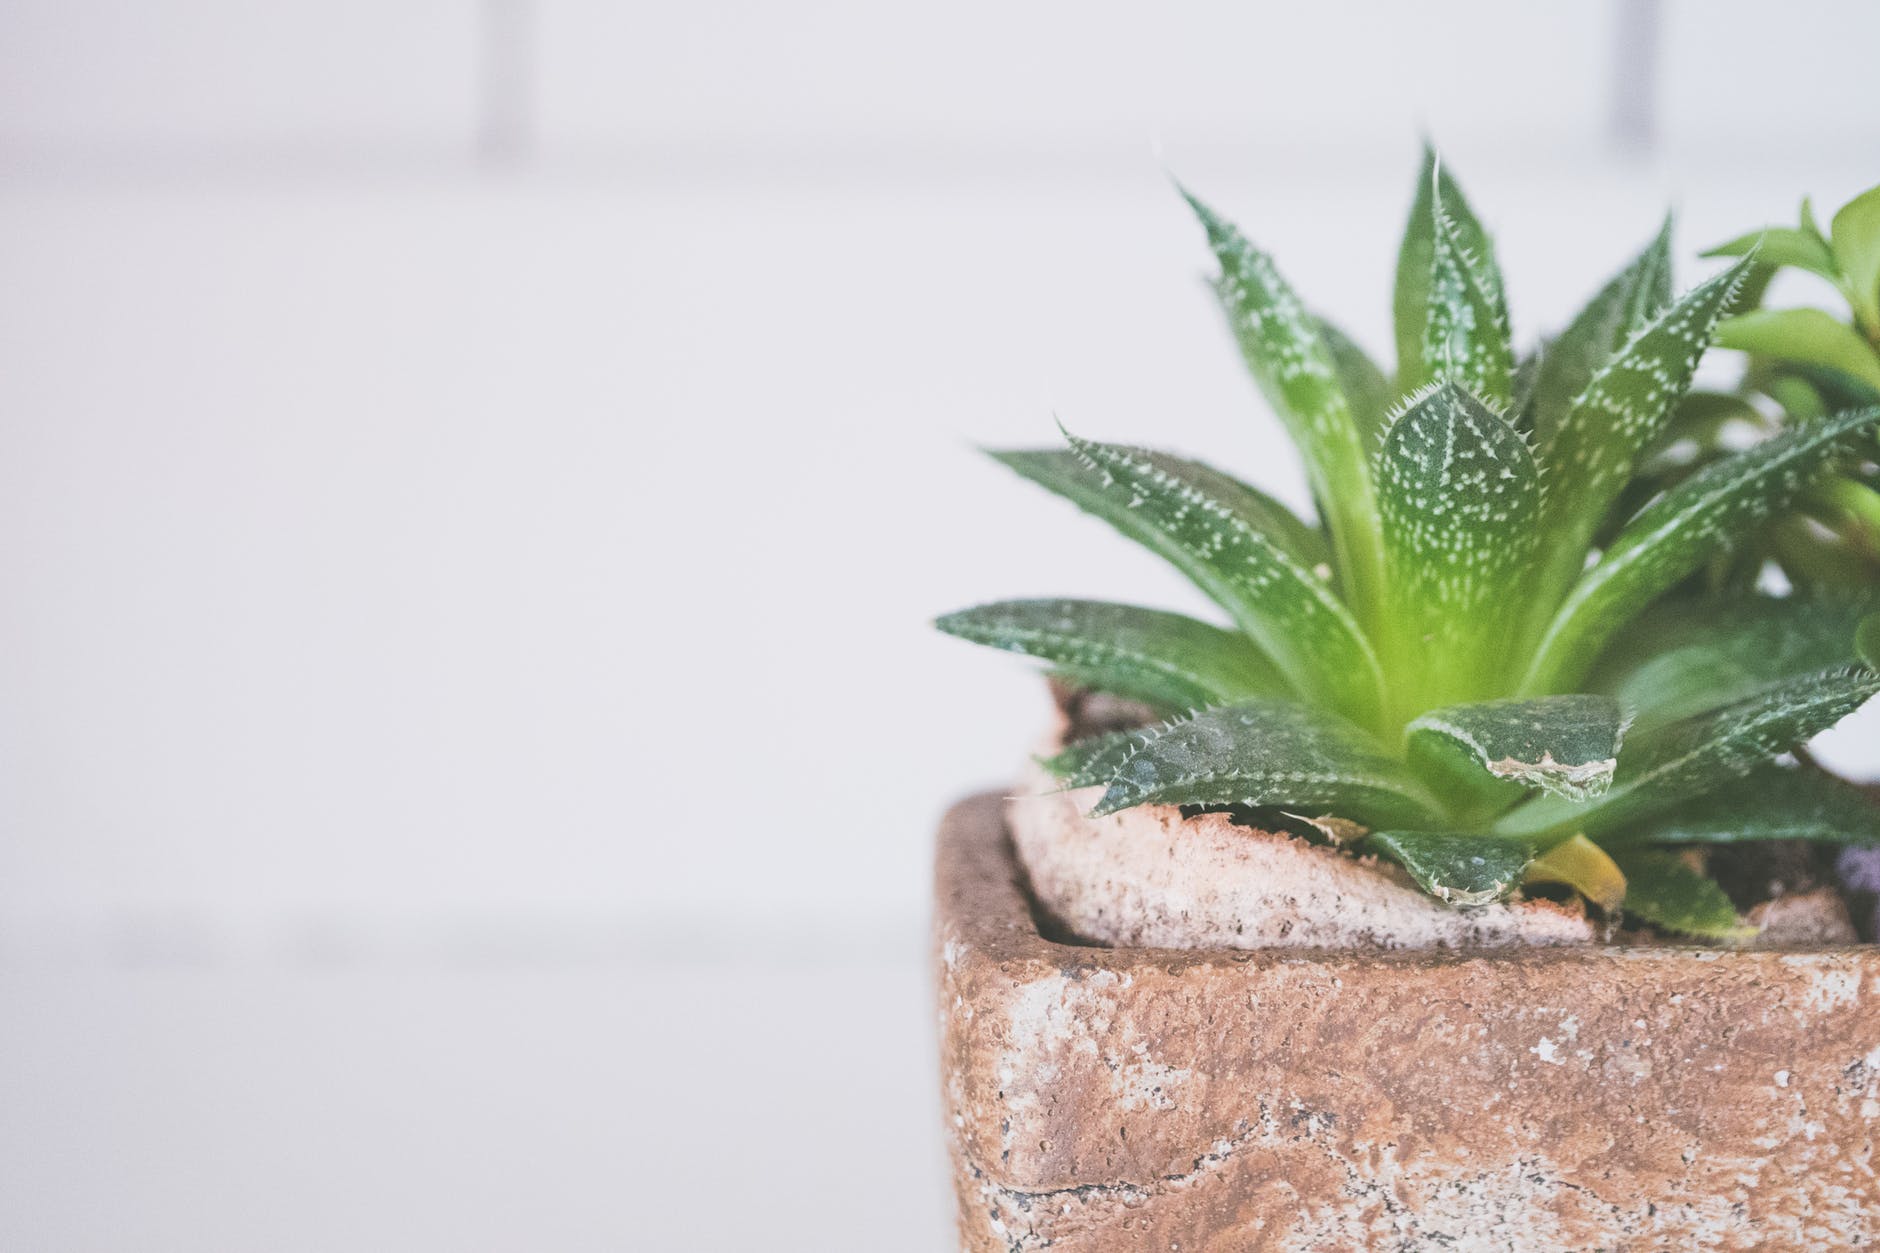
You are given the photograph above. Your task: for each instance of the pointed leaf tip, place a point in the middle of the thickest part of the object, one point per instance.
(1170, 662)
(1664, 891)
(1467, 871)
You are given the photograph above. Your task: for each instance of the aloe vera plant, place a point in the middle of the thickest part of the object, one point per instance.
(1483, 659)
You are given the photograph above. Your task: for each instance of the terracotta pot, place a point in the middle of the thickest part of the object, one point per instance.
(1583, 1097)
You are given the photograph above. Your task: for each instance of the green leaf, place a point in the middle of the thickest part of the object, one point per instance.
(1596, 445)
(1269, 752)
(1289, 359)
(1783, 245)
(1460, 496)
(1855, 232)
(1287, 609)
(1808, 336)
(1697, 655)
(1464, 870)
(1676, 533)
(1664, 766)
(1416, 259)
(1465, 337)
(1524, 382)
(1367, 391)
(1073, 476)
(1166, 660)
(1092, 760)
(1770, 803)
(1566, 745)
(1662, 890)
(1867, 641)
(1623, 307)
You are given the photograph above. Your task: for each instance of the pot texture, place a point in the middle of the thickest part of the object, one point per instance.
(1560, 1098)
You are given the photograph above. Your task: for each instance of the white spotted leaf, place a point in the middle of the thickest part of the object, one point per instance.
(1464, 870)
(1270, 752)
(1416, 258)
(1171, 662)
(1295, 369)
(1286, 608)
(1564, 745)
(1592, 451)
(1076, 479)
(1460, 496)
(1676, 533)
(1465, 333)
(1623, 307)
(1664, 766)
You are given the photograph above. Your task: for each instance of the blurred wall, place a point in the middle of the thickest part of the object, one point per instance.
(496, 461)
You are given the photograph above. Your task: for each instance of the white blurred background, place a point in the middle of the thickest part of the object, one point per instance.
(474, 478)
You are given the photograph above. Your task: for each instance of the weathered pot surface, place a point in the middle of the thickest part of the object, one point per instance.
(1576, 1097)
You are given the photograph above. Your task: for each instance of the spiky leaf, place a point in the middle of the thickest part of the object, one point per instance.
(1673, 536)
(1064, 471)
(1464, 870)
(1663, 890)
(1416, 261)
(1693, 656)
(1772, 802)
(1867, 641)
(1289, 359)
(1566, 745)
(1288, 610)
(1623, 307)
(1582, 865)
(1595, 446)
(1166, 660)
(1269, 752)
(1460, 496)
(1855, 232)
(1093, 759)
(1465, 337)
(1663, 766)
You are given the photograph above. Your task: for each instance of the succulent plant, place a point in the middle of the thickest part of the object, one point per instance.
(1484, 661)
(1803, 362)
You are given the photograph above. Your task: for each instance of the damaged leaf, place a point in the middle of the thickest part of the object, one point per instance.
(1565, 745)
(1665, 766)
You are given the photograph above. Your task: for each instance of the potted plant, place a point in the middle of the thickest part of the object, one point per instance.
(1366, 917)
